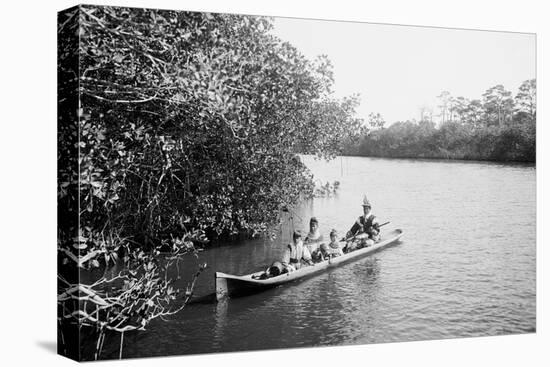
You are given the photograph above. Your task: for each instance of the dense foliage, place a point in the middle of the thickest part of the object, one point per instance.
(187, 128)
(191, 120)
(498, 127)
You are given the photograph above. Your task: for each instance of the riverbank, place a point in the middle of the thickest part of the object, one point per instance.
(513, 142)
(448, 157)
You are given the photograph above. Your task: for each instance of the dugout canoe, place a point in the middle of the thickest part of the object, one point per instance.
(228, 286)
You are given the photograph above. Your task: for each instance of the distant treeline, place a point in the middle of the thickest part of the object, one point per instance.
(499, 127)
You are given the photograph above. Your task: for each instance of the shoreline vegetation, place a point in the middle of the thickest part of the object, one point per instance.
(495, 128)
(179, 128)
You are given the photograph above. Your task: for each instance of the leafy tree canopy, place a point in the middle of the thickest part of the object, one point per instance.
(172, 126)
(192, 121)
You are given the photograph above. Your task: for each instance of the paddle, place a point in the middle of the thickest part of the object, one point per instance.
(383, 224)
(354, 236)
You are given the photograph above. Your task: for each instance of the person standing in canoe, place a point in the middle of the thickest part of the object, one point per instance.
(366, 223)
(296, 253)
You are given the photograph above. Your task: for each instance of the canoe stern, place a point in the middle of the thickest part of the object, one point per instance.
(228, 286)
(221, 286)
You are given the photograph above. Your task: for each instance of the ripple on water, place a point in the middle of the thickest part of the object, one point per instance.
(465, 266)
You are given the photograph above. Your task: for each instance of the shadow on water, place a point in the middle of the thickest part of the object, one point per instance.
(205, 299)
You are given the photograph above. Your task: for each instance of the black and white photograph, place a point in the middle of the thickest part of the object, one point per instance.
(232, 182)
(246, 183)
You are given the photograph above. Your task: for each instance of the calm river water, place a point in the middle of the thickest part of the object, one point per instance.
(465, 266)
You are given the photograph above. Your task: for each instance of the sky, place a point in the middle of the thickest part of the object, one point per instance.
(398, 69)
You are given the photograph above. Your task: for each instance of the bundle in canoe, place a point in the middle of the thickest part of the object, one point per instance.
(228, 285)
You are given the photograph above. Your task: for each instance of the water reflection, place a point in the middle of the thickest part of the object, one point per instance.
(460, 270)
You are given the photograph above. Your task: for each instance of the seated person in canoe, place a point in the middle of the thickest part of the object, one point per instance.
(332, 249)
(296, 254)
(314, 237)
(334, 245)
(367, 224)
(275, 269)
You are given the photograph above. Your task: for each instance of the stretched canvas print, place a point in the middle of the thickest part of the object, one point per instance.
(234, 183)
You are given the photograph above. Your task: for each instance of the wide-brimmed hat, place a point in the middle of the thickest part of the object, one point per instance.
(366, 201)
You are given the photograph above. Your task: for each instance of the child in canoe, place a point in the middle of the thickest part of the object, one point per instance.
(296, 254)
(333, 249)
